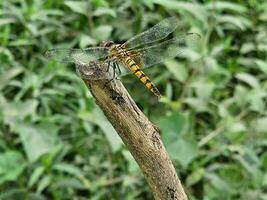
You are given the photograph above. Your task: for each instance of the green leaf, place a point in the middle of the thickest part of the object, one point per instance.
(239, 22)
(37, 173)
(232, 175)
(204, 89)
(218, 183)
(102, 32)
(9, 74)
(77, 6)
(21, 42)
(97, 117)
(36, 139)
(235, 131)
(172, 126)
(260, 124)
(249, 79)
(195, 177)
(68, 168)
(12, 165)
(183, 150)
(45, 181)
(200, 105)
(195, 9)
(177, 69)
(86, 40)
(255, 98)
(104, 11)
(4, 21)
(225, 5)
(14, 112)
(262, 65)
(247, 47)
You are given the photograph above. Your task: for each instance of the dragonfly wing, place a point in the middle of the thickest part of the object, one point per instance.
(157, 32)
(82, 56)
(157, 53)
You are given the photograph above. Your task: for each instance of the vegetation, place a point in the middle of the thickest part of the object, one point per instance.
(56, 144)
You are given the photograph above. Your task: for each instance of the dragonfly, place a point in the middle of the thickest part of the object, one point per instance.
(142, 51)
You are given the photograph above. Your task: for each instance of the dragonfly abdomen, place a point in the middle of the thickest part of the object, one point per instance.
(142, 76)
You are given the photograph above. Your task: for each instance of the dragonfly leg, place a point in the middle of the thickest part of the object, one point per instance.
(108, 65)
(119, 70)
(114, 70)
(114, 66)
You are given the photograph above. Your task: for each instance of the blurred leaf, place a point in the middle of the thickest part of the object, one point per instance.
(247, 47)
(248, 159)
(99, 3)
(5, 53)
(195, 177)
(249, 79)
(218, 183)
(77, 6)
(13, 193)
(104, 11)
(21, 42)
(260, 124)
(203, 90)
(85, 41)
(195, 9)
(9, 74)
(255, 99)
(261, 64)
(45, 181)
(102, 32)
(177, 69)
(235, 131)
(232, 175)
(37, 173)
(239, 22)
(5, 21)
(200, 105)
(148, 3)
(225, 5)
(17, 111)
(99, 119)
(12, 165)
(183, 150)
(172, 126)
(68, 168)
(240, 95)
(36, 139)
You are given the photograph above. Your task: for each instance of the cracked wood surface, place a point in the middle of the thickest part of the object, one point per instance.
(137, 132)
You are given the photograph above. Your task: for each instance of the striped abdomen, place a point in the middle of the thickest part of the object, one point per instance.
(141, 75)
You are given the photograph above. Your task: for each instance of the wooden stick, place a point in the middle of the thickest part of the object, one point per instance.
(137, 132)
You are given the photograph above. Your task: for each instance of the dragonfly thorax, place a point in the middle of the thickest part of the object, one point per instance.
(117, 51)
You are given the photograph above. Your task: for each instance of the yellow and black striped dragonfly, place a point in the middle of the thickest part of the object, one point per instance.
(144, 50)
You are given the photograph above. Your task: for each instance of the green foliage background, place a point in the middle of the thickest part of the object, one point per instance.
(56, 144)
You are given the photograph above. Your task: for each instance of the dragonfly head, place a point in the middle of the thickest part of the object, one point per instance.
(106, 43)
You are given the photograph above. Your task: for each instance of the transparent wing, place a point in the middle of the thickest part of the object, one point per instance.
(82, 56)
(144, 57)
(85, 60)
(157, 53)
(157, 32)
